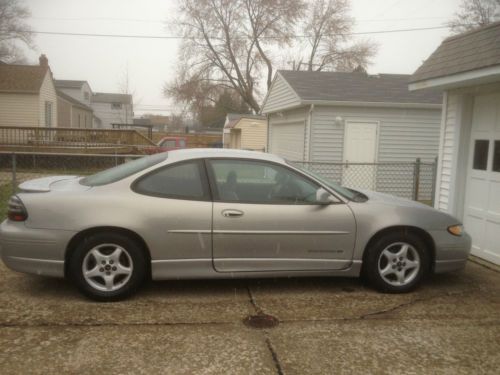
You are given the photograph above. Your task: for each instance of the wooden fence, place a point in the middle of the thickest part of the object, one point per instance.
(18, 138)
(192, 140)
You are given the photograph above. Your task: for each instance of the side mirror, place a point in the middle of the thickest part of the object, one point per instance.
(324, 197)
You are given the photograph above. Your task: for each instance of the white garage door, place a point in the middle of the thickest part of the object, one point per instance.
(482, 203)
(287, 140)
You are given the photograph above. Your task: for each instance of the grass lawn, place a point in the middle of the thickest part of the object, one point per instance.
(5, 193)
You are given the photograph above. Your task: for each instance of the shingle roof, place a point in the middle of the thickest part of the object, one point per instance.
(357, 87)
(105, 97)
(68, 84)
(472, 50)
(234, 118)
(73, 101)
(21, 78)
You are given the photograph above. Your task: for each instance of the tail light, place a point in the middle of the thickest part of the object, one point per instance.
(16, 210)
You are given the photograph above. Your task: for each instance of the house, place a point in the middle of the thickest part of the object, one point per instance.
(467, 68)
(245, 131)
(113, 108)
(27, 95)
(79, 90)
(335, 117)
(72, 113)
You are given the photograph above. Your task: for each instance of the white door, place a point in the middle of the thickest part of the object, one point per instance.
(482, 202)
(360, 145)
(288, 140)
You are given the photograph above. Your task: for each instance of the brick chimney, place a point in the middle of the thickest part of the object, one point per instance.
(44, 61)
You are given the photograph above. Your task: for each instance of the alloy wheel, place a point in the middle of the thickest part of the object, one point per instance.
(107, 267)
(399, 264)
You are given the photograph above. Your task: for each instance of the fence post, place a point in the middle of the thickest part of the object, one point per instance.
(416, 179)
(14, 172)
(434, 180)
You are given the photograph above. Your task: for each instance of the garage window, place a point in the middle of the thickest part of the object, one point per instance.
(496, 157)
(480, 161)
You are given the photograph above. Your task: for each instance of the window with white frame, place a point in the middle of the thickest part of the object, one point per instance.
(48, 114)
(116, 105)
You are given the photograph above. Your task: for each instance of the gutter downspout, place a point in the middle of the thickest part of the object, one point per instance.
(309, 132)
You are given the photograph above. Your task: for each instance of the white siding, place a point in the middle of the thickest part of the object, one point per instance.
(287, 134)
(47, 94)
(446, 153)
(79, 93)
(108, 115)
(280, 96)
(18, 109)
(404, 134)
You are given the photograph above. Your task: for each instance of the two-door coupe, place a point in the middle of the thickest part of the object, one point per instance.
(206, 213)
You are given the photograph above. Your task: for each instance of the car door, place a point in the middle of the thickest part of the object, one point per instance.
(266, 218)
(175, 210)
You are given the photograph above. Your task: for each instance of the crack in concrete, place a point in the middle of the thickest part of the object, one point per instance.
(257, 308)
(274, 355)
(17, 325)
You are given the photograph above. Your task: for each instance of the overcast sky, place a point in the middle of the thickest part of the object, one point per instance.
(151, 62)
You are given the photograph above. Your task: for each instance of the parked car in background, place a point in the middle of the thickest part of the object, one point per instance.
(167, 144)
(221, 213)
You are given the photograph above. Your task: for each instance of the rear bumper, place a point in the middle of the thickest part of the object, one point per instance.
(36, 251)
(452, 252)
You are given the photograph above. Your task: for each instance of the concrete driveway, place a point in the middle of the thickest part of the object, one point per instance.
(449, 326)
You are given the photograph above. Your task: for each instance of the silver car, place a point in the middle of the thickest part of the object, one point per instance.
(204, 213)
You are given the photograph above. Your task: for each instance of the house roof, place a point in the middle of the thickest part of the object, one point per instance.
(233, 118)
(356, 87)
(105, 97)
(73, 101)
(25, 79)
(465, 52)
(68, 84)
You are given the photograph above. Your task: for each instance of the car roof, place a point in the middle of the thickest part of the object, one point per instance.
(195, 153)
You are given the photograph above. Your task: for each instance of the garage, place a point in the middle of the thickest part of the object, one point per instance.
(482, 199)
(467, 68)
(287, 136)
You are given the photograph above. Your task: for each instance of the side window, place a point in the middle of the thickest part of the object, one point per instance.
(181, 181)
(480, 160)
(496, 156)
(261, 182)
(170, 143)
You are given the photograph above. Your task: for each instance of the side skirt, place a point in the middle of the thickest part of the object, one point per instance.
(203, 269)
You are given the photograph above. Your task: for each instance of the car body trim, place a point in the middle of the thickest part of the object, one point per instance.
(280, 232)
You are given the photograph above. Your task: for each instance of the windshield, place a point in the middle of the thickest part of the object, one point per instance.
(345, 192)
(123, 170)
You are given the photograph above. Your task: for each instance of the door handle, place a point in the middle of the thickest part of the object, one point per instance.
(232, 213)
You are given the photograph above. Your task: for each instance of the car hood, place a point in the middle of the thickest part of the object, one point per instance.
(392, 200)
(53, 183)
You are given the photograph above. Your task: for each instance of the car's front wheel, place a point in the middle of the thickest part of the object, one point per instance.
(396, 263)
(107, 266)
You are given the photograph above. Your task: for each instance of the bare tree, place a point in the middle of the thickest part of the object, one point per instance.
(226, 42)
(475, 13)
(327, 29)
(235, 44)
(14, 31)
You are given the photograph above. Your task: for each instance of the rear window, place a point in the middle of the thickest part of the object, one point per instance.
(123, 170)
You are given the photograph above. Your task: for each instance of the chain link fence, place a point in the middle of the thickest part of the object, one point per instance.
(408, 180)
(15, 168)
(414, 180)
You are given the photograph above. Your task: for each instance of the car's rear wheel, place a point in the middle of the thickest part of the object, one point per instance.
(107, 266)
(396, 263)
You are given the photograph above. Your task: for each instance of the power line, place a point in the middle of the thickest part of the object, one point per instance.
(147, 20)
(135, 36)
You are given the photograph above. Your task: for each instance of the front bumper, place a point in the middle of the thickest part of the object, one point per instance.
(452, 252)
(36, 251)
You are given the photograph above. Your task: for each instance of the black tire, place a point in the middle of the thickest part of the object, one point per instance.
(373, 256)
(135, 254)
